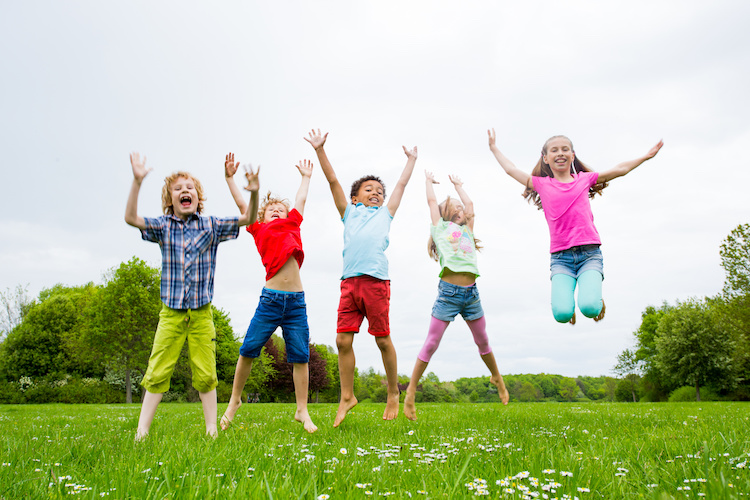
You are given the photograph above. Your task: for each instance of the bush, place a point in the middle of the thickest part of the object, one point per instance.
(88, 391)
(687, 393)
(10, 393)
(224, 392)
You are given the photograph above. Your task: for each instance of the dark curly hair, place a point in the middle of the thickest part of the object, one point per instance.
(356, 184)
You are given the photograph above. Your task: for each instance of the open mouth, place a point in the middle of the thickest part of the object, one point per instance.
(186, 200)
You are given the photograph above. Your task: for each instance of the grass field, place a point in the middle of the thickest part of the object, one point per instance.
(588, 451)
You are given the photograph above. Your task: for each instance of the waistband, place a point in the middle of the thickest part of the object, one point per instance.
(271, 291)
(581, 248)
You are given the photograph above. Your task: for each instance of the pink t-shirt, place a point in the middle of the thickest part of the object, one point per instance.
(568, 211)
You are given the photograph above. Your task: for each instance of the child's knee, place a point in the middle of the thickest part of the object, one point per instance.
(590, 308)
(562, 314)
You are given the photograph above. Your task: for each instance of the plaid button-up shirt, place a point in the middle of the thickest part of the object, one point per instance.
(188, 256)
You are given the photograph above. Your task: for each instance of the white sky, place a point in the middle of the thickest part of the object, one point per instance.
(85, 83)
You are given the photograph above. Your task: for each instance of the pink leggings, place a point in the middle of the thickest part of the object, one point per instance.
(437, 329)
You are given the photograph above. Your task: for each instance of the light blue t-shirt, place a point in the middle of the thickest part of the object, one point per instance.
(365, 240)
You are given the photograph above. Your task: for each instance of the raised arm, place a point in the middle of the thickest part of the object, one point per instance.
(250, 215)
(398, 191)
(431, 198)
(507, 165)
(230, 168)
(465, 200)
(305, 168)
(317, 141)
(626, 166)
(139, 173)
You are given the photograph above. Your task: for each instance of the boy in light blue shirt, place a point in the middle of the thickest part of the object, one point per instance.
(365, 286)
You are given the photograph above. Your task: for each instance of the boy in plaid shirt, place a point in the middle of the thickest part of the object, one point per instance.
(188, 244)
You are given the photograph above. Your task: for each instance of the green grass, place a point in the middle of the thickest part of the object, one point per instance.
(453, 450)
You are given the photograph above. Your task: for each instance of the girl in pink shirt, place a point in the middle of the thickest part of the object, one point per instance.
(561, 185)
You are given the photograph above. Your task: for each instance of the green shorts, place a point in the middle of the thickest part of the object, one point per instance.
(175, 325)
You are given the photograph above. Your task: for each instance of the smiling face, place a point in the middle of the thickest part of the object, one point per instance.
(370, 193)
(182, 195)
(558, 154)
(275, 211)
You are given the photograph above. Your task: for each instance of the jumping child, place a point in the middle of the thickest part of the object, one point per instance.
(452, 244)
(188, 244)
(561, 185)
(365, 286)
(282, 301)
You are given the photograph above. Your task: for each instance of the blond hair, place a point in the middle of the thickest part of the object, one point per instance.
(271, 200)
(166, 192)
(448, 216)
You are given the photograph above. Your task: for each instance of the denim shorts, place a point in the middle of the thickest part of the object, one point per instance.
(454, 299)
(279, 309)
(576, 260)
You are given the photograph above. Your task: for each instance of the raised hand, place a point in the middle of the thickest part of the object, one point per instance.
(652, 152)
(410, 153)
(253, 183)
(305, 168)
(491, 136)
(456, 181)
(316, 139)
(429, 176)
(139, 166)
(230, 166)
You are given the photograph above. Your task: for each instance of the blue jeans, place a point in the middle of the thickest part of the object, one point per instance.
(279, 309)
(582, 266)
(454, 299)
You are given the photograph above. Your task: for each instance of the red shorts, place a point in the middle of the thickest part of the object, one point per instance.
(364, 297)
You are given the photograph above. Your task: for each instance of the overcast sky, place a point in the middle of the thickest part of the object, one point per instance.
(85, 83)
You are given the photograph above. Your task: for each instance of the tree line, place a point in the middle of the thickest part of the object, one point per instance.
(91, 343)
(697, 348)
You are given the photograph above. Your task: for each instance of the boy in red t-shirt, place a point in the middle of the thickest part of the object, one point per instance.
(282, 301)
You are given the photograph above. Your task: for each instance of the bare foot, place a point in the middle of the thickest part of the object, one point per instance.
(573, 319)
(140, 435)
(410, 409)
(601, 314)
(344, 407)
(391, 407)
(228, 417)
(502, 391)
(211, 432)
(307, 423)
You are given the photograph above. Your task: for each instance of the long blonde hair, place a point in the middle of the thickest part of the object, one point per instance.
(542, 169)
(448, 216)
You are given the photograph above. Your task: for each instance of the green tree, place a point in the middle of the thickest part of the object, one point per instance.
(47, 343)
(692, 349)
(528, 392)
(568, 389)
(124, 317)
(734, 304)
(656, 386)
(227, 346)
(628, 368)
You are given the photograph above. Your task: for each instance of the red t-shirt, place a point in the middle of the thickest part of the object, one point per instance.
(278, 240)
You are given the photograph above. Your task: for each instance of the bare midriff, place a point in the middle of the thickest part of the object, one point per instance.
(459, 279)
(287, 279)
